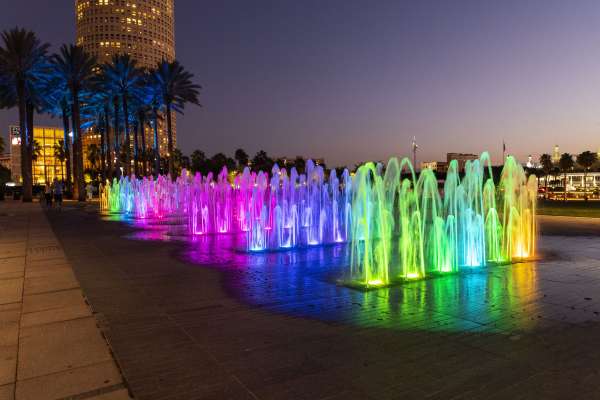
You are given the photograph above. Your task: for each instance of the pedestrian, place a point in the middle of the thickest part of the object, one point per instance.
(48, 194)
(90, 191)
(57, 190)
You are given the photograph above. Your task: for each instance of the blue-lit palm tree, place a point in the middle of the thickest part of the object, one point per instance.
(57, 103)
(123, 76)
(76, 67)
(154, 100)
(176, 89)
(22, 58)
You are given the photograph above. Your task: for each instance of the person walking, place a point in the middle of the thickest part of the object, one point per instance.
(90, 191)
(48, 194)
(57, 190)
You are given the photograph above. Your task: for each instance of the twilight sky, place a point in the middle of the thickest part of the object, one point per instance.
(355, 80)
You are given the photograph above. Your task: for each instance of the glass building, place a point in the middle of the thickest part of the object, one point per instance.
(46, 164)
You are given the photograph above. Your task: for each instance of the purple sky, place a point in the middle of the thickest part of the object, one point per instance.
(355, 80)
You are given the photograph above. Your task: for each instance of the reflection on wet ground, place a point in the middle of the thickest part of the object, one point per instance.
(305, 283)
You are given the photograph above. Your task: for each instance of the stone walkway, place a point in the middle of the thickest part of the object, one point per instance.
(201, 321)
(50, 343)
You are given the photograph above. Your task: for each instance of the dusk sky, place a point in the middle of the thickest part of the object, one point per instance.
(355, 80)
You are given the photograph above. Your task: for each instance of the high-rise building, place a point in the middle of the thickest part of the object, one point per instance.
(144, 29)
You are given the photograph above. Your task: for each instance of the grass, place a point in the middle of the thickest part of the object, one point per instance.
(590, 209)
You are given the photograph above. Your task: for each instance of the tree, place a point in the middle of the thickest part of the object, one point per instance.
(124, 77)
(93, 155)
(586, 160)
(198, 161)
(177, 89)
(37, 150)
(56, 95)
(242, 159)
(1, 145)
(60, 155)
(76, 67)
(262, 162)
(546, 163)
(22, 57)
(154, 100)
(566, 164)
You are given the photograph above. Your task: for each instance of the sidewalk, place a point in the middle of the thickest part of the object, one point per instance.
(50, 344)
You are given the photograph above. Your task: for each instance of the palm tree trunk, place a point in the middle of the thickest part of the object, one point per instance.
(25, 159)
(79, 192)
(143, 137)
(136, 166)
(109, 171)
(29, 110)
(565, 187)
(546, 187)
(156, 146)
(117, 134)
(127, 140)
(67, 150)
(102, 130)
(170, 142)
(585, 197)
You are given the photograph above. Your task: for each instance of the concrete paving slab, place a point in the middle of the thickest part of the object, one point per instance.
(8, 364)
(60, 281)
(121, 394)
(55, 315)
(7, 392)
(46, 271)
(11, 270)
(11, 290)
(9, 335)
(61, 385)
(15, 249)
(52, 300)
(50, 348)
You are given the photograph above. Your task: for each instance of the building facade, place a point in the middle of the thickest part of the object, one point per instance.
(144, 29)
(46, 165)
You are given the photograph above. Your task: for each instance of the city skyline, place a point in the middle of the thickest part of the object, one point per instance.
(350, 83)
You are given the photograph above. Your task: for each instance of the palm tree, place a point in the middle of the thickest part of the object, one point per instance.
(36, 153)
(93, 155)
(21, 59)
(124, 77)
(61, 155)
(566, 164)
(56, 95)
(586, 160)
(154, 100)
(546, 163)
(76, 68)
(176, 89)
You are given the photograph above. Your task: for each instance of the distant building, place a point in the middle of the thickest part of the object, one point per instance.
(556, 154)
(436, 166)
(46, 167)
(462, 159)
(143, 29)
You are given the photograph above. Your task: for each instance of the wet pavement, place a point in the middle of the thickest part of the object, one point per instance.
(200, 318)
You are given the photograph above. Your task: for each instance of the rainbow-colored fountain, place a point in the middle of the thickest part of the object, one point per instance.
(404, 227)
(399, 225)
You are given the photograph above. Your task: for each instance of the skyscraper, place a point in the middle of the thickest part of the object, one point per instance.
(144, 29)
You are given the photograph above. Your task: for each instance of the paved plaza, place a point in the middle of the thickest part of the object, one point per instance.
(50, 344)
(202, 320)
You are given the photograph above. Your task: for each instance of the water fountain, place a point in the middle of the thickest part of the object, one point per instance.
(404, 228)
(399, 226)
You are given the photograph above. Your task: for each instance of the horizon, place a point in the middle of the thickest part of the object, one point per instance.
(349, 83)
